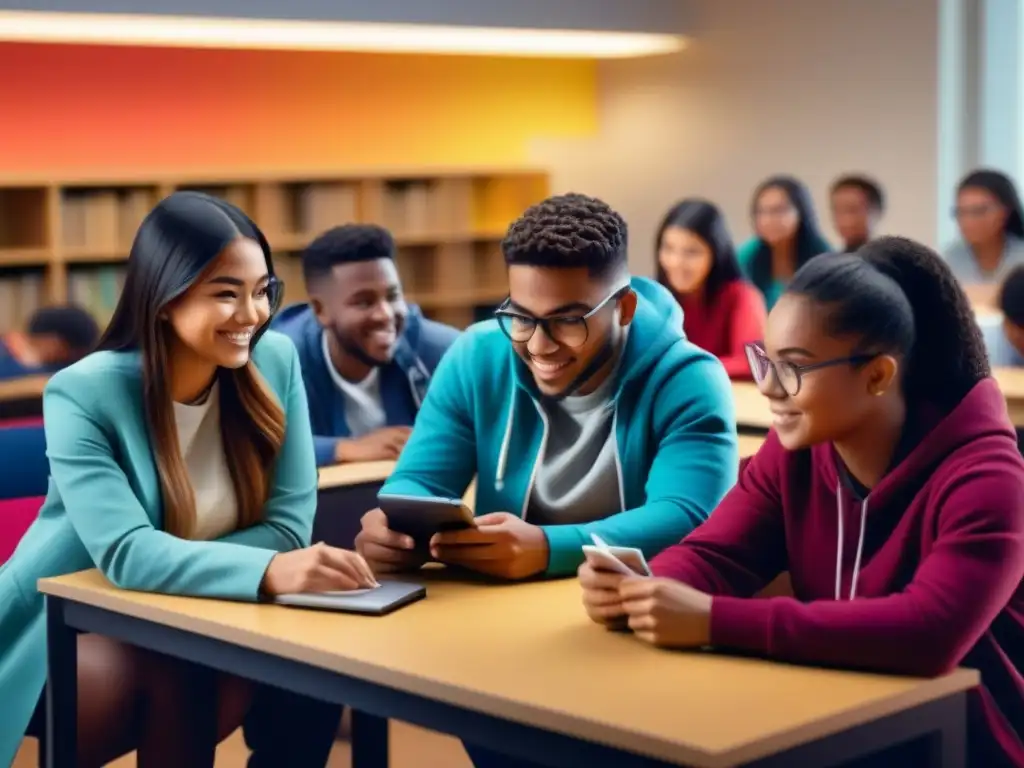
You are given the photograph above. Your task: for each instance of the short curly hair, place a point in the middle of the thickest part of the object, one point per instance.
(568, 231)
(344, 245)
(899, 296)
(1011, 296)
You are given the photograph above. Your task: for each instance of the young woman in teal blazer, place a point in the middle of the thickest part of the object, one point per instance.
(181, 461)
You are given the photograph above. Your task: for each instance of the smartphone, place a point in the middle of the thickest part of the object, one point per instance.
(631, 557)
(422, 516)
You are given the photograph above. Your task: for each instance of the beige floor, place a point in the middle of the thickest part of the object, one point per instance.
(411, 747)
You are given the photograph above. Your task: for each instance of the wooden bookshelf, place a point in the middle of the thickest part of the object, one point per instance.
(68, 240)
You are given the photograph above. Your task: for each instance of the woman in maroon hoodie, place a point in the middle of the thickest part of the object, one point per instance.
(697, 262)
(890, 488)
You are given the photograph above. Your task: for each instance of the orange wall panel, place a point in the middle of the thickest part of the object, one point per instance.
(117, 109)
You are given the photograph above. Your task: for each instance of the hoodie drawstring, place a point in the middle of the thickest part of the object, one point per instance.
(839, 544)
(499, 479)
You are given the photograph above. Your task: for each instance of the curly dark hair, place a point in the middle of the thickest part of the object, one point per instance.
(870, 188)
(568, 231)
(900, 297)
(72, 324)
(1011, 296)
(344, 245)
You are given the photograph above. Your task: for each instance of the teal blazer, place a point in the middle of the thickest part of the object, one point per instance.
(103, 510)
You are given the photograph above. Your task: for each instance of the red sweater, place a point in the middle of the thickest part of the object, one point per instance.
(735, 316)
(939, 580)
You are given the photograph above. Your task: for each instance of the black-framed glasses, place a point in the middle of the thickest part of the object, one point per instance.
(789, 375)
(570, 330)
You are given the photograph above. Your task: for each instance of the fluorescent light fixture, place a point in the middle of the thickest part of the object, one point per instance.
(203, 32)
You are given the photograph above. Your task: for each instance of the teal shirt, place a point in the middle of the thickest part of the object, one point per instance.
(745, 256)
(103, 510)
(674, 428)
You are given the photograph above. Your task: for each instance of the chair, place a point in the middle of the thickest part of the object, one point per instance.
(16, 515)
(26, 471)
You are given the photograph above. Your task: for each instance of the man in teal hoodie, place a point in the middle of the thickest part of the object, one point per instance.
(581, 408)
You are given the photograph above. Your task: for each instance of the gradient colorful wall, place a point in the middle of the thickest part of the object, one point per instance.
(97, 109)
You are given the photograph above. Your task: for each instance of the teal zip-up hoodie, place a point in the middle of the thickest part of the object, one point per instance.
(674, 424)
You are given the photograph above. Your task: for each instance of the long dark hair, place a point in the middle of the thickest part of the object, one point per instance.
(175, 244)
(706, 221)
(810, 242)
(1002, 189)
(900, 297)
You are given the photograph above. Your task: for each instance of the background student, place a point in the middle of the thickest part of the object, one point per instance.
(697, 262)
(55, 337)
(891, 488)
(858, 205)
(1004, 330)
(991, 221)
(181, 462)
(367, 356)
(787, 235)
(608, 420)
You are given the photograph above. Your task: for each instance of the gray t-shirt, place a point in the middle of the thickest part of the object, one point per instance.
(961, 260)
(578, 479)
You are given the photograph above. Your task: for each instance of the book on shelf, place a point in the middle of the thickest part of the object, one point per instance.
(97, 290)
(20, 296)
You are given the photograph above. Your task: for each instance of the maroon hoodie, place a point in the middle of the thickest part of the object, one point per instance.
(922, 576)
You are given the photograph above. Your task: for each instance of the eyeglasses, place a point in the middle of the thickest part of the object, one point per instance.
(569, 330)
(790, 375)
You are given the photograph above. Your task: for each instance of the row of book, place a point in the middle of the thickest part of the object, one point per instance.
(95, 289)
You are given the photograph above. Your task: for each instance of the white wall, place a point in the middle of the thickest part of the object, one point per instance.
(808, 87)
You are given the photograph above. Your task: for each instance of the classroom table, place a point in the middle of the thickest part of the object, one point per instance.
(753, 416)
(517, 668)
(22, 397)
(1011, 382)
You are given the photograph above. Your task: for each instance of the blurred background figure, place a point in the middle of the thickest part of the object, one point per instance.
(858, 204)
(54, 337)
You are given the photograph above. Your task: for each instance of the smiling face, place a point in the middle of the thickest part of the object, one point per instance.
(563, 296)
(833, 401)
(362, 307)
(214, 321)
(686, 260)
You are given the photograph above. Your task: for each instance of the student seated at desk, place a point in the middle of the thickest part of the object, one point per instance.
(787, 235)
(580, 409)
(890, 488)
(55, 337)
(858, 204)
(367, 356)
(991, 220)
(181, 461)
(697, 262)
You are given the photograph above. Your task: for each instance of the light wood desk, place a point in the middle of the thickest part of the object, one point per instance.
(517, 668)
(1011, 382)
(752, 413)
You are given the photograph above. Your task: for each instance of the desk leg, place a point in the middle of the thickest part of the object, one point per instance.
(369, 740)
(947, 746)
(61, 688)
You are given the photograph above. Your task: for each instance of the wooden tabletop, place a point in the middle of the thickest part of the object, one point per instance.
(528, 653)
(23, 388)
(356, 473)
(751, 406)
